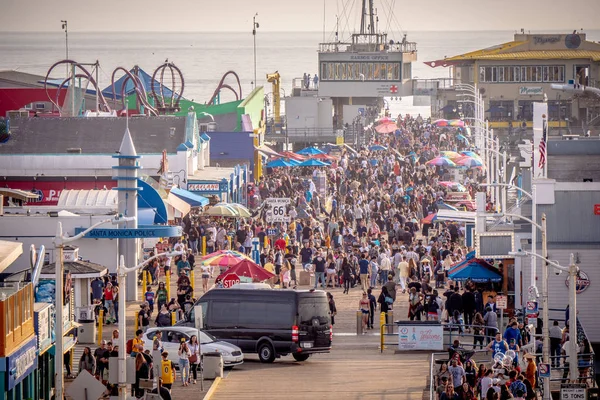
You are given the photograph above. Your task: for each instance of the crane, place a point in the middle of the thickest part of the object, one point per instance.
(275, 79)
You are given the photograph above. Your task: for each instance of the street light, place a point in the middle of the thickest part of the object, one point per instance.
(546, 340)
(122, 272)
(573, 271)
(255, 26)
(59, 244)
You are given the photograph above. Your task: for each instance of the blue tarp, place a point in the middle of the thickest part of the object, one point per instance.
(476, 270)
(192, 199)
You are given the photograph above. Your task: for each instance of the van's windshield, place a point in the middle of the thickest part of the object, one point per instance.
(313, 307)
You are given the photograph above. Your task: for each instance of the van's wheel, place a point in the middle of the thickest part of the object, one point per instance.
(266, 354)
(300, 357)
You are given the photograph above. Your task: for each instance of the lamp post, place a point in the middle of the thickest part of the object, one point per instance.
(492, 184)
(573, 271)
(59, 244)
(255, 26)
(122, 272)
(546, 339)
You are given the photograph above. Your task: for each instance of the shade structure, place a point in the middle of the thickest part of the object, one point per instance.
(475, 269)
(469, 162)
(241, 210)
(387, 127)
(471, 154)
(223, 258)
(456, 122)
(192, 199)
(441, 162)
(309, 151)
(446, 206)
(377, 147)
(385, 120)
(248, 269)
(441, 122)
(223, 210)
(323, 157)
(463, 138)
(279, 163)
(429, 219)
(313, 163)
(293, 156)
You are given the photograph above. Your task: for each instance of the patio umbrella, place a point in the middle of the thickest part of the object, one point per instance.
(388, 127)
(279, 163)
(377, 147)
(248, 269)
(471, 154)
(441, 122)
(441, 161)
(453, 185)
(324, 157)
(242, 211)
(222, 210)
(294, 163)
(475, 269)
(445, 206)
(309, 151)
(469, 162)
(385, 120)
(451, 155)
(313, 163)
(224, 258)
(456, 122)
(429, 219)
(463, 138)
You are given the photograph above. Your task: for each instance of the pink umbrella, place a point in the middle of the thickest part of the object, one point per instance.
(441, 122)
(388, 127)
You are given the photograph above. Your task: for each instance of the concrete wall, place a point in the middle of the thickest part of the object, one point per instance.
(40, 230)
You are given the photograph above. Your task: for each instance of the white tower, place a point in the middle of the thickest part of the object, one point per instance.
(127, 185)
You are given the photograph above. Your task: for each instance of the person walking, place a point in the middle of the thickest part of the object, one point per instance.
(332, 308)
(373, 271)
(87, 362)
(364, 307)
(184, 362)
(415, 304)
(142, 371)
(319, 263)
(194, 359)
(403, 273)
(555, 339)
(363, 266)
(167, 371)
(346, 274)
(372, 308)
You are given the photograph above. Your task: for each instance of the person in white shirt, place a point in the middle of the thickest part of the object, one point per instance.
(403, 273)
(486, 382)
(384, 266)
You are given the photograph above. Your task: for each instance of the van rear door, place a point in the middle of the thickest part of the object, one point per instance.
(314, 321)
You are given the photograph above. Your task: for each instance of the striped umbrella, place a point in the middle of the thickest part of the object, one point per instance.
(469, 162)
(441, 162)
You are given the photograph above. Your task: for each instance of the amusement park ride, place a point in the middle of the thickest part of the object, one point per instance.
(159, 95)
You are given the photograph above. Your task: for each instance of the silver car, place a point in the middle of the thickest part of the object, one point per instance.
(173, 335)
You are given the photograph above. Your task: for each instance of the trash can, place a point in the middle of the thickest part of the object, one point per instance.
(86, 333)
(213, 365)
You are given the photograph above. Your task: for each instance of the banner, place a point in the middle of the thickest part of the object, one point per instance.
(420, 336)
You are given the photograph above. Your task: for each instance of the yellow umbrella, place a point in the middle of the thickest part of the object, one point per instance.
(452, 155)
(242, 211)
(222, 210)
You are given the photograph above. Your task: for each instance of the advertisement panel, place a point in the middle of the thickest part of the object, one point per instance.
(49, 191)
(420, 337)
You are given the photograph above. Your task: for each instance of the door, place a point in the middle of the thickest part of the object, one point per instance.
(223, 319)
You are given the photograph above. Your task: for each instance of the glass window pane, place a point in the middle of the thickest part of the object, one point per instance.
(349, 71)
(369, 71)
(500, 74)
(376, 71)
(382, 72)
(224, 313)
(396, 76)
(390, 74)
(561, 74)
(343, 71)
(482, 74)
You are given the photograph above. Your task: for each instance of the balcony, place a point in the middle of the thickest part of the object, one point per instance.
(16, 316)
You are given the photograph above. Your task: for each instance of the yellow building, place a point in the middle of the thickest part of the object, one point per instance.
(512, 76)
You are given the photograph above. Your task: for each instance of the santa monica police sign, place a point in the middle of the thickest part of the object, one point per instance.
(141, 232)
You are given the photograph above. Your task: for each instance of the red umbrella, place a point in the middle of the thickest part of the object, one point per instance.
(325, 157)
(429, 219)
(293, 156)
(386, 127)
(249, 269)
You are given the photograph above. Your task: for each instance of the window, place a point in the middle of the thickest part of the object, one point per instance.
(40, 106)
(369, 71)
(376, 71)
(323, 73)
(500, 73)
(330, 71)
(349, 72)
(224, 314)
(28, 106)
(266, 315)
(383, 71)
(396, 76)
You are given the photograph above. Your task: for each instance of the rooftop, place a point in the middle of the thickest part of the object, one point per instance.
(9, 252)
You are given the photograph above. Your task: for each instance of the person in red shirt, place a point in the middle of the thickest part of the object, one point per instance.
(108, 303)
(280, 243)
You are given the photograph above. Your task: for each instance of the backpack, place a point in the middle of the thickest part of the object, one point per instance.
(129, 346)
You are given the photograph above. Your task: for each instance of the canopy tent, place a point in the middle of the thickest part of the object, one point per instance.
(178, 204)
(309, 151)
(429, 219)
(192, 199)
(279, 163)
(476, 270)
(313, 163)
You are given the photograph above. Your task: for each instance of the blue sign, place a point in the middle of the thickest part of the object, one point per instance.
(272, 231)
(532, 307)
(544, 370)
(22, 362)
(256, 250)
(141, 232)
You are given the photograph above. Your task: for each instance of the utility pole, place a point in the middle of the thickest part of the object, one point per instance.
(65, 28)
(255, 26)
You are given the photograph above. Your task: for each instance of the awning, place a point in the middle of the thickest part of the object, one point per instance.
(193, 199)
(19, 194)
(476, 270)
(149, 199)
(9, 252)
(267, 151)
(178, 204)
(459, 216)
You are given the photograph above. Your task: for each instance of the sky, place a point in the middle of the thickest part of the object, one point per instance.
(294, 15)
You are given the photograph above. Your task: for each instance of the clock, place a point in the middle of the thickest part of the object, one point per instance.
(572, 41)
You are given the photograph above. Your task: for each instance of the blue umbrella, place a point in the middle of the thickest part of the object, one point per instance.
(313, 163)
(309, 151)
(377, 147)
(463, 138)
(280, 162)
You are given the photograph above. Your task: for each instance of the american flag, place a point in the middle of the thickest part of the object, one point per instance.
(543, 144)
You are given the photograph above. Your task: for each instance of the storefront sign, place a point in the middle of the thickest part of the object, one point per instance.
(49, 191)
(546, 39)
(153, 232)
(42, 328)
(364, 57)
(531, 90)
(208, 187)
(582, 282)
(420, 337)
(22, 362)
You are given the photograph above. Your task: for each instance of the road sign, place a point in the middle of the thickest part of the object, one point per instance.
(573, 391)
(501, 302)
(532, 307)
(277, 209)
(544, 370)
(532, 321)
(230, 279)
(272, 231)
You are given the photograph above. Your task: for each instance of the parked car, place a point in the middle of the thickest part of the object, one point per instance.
(271, 323)
(172, 336)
